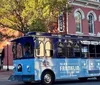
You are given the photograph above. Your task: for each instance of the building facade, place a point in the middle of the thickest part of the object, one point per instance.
(84, 18)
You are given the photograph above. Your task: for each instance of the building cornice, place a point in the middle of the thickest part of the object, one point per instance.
(86, 4)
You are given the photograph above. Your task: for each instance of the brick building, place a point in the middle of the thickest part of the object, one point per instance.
(6, 58)
(84, 18)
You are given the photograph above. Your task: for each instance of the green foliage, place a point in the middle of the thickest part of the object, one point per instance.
(38, 25)
(30, 15)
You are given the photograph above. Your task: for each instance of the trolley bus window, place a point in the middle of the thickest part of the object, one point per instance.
(14, 50)
(19, 50)
(60, 49)
(65, 48)
(69, 50)
(49, 49)
(84, 50)
(98, 51)
(77, 51)
(28, 50)
(92, 51)
(39, 48)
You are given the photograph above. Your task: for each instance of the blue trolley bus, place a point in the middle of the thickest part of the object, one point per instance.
(48, 57)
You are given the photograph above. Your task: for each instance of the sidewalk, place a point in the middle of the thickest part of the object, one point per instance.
(4, 75)
(3, 72)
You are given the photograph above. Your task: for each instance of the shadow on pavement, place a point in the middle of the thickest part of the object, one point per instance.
(75, 81)
(62, 82)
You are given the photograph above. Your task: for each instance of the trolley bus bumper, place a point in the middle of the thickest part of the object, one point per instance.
(21, 78)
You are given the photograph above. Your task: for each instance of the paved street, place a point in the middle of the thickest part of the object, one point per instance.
(4, 75)
(75, 82)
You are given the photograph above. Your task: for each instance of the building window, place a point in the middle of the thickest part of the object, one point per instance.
(91, 17)
(78, 20)
(39, 48)
(79, 16)
(91, 23)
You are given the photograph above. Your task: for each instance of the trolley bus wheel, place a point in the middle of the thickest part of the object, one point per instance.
(47, 78)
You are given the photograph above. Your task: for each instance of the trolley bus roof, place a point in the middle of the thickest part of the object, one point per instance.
(61, 36)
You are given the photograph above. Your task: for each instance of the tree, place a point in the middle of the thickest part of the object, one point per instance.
(29, 15)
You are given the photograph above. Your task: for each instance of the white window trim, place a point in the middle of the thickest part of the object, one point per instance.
(98, 34)
(94, 14)
(79, 33)
(82, 13)
(99, 18)
(92, 34)
(95, 18)
(83, 17)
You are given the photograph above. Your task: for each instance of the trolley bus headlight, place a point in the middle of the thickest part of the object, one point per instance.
(19, 67)
(28, 68)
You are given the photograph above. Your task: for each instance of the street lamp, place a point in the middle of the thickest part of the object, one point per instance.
(7, 56)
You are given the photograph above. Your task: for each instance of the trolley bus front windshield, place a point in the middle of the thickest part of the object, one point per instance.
(22, 49)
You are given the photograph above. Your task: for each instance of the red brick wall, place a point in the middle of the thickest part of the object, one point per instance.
(9, 55)
(71, 22)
